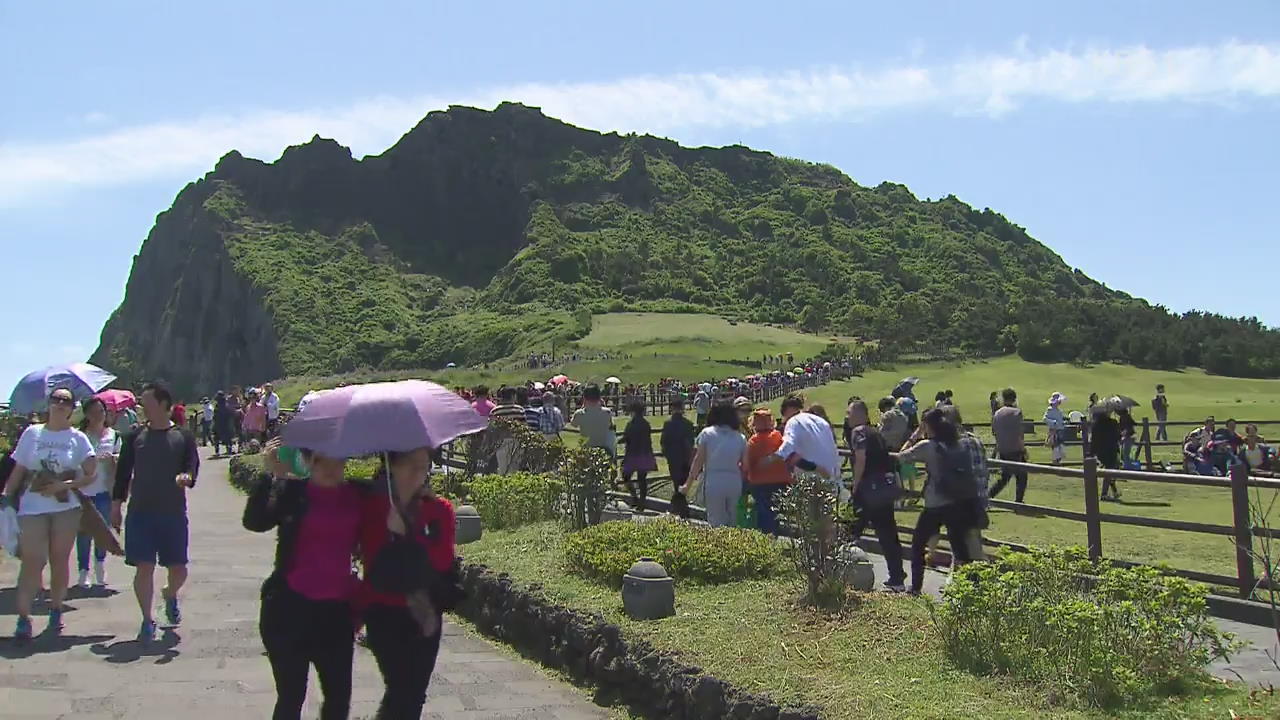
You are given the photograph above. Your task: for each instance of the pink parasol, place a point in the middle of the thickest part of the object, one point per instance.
(117, 400)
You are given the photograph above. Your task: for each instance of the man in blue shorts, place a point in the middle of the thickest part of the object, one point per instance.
(158, 463)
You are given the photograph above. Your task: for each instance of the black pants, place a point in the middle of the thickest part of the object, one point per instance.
(1162, 433)
(883, 521)
(639, 488)
(1021, 475)
(1110, 459)
(958, 518)
(298, 633)
(405, 658)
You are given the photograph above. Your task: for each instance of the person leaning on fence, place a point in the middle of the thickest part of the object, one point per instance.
(949, 493)
(1006, 425)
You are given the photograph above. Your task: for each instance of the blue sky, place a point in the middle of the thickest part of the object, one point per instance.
(1136, 139)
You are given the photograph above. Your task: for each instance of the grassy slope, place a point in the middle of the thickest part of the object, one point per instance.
(877, 660)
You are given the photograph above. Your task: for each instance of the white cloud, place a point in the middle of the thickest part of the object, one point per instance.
(992, 85)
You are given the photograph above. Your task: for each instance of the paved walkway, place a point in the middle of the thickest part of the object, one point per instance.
(213, 665)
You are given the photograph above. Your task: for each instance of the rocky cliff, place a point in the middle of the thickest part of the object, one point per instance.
(480, 232)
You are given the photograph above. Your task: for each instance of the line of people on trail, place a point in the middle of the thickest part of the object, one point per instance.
(236, 418)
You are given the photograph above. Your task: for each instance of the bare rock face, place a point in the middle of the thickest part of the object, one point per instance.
(189, 317)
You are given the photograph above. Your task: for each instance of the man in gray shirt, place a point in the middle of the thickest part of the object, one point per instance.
(1006, 425)
(158, 464)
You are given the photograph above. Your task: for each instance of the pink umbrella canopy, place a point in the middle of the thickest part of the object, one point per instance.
(381, 417)
(117, 400)
(559, 379)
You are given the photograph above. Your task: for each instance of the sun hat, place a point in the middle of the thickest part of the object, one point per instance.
(1057, 399)
(741, 402)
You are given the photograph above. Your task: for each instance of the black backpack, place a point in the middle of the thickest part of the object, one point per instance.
(959, 479)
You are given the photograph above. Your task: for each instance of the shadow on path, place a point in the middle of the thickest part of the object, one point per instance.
(127, 651)
(40, 606)
(43, 644)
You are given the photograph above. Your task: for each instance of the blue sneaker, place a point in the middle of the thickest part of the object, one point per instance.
(172, 613)
(22, 633)
(147, 633)
(55, 622)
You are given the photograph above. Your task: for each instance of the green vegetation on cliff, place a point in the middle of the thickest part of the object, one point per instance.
(483, 233)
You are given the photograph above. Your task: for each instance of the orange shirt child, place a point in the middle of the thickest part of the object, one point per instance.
(761, 445)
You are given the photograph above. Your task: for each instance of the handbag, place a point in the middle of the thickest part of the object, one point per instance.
(879, 491)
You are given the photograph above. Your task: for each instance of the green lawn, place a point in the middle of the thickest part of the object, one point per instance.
(878, 659)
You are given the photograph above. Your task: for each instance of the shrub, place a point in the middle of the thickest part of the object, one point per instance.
(243, 471)
(810, 506)
(690, 552)
(508, 501)
(1107, 635)
(584, 475)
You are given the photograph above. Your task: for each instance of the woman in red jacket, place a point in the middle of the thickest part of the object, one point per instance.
(410, 578)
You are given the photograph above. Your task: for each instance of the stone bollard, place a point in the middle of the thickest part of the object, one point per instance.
(616, 510)
(467, 525)
(648, 593)
(854, 567)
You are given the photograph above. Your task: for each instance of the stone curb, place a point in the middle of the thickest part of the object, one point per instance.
(593, 652)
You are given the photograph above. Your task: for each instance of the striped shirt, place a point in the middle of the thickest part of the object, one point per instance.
(507, 412)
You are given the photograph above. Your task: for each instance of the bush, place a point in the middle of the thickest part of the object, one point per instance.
(242, 472)
(508, 501)
(1109, 636)
(810, 507)
(696, 553)
(584, 475)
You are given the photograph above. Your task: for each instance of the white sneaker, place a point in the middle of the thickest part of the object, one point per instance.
(100, 574)
(84, 579)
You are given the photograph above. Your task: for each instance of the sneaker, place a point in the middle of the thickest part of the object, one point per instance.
(147, 633)
(895, 587)
(172, 613)
(100, 574)
(22, 633)
(55, 622)
(83, 581)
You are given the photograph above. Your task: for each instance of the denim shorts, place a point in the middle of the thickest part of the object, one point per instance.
(155, 539)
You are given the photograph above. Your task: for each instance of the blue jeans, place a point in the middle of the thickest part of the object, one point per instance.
(101, 501)
(766, 516)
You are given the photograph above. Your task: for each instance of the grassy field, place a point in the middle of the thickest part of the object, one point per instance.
(877, 659)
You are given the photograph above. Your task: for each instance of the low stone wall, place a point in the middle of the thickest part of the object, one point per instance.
(594, 652)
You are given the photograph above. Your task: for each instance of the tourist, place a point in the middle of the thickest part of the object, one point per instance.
(1105, 445)
(51, 461)
(949, 492)
(906, 389)
(994, 399)
(701, 405)
(894, 429)
(106, 444)
(1160, 405)
(508, 407)
(742, 405)
(550, 419)
(949, 397)
(637, 457)
(123, 420)
(158, 464)
(1128, 433)
(940, 399)
(307, 617)
(206, 421)
(482, 403)
(1055, 424)
(254, 421)
(410, 579)
(982, 476)
(224, 424)
(677, 442)
(719, 461)
(1253, 453)
(179, 414)
(1006, 426)
(765, 480)
(272, 402)
(595, 422)
(808, 442)
(532, 403)
(875, 489)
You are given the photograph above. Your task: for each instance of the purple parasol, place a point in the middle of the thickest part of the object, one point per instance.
(378, 417)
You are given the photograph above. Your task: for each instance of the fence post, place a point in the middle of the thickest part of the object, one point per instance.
(1146, 440)
(1243, 526)
(1092, 523)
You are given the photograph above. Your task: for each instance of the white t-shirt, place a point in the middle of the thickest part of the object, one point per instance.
(273, 406)
(53, 451)
(108, 444)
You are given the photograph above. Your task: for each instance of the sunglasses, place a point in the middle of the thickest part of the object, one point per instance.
(60, 400)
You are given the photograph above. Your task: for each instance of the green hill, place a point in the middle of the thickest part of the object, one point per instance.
(480, 234)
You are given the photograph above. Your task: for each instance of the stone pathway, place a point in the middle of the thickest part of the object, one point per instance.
(213, 665)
